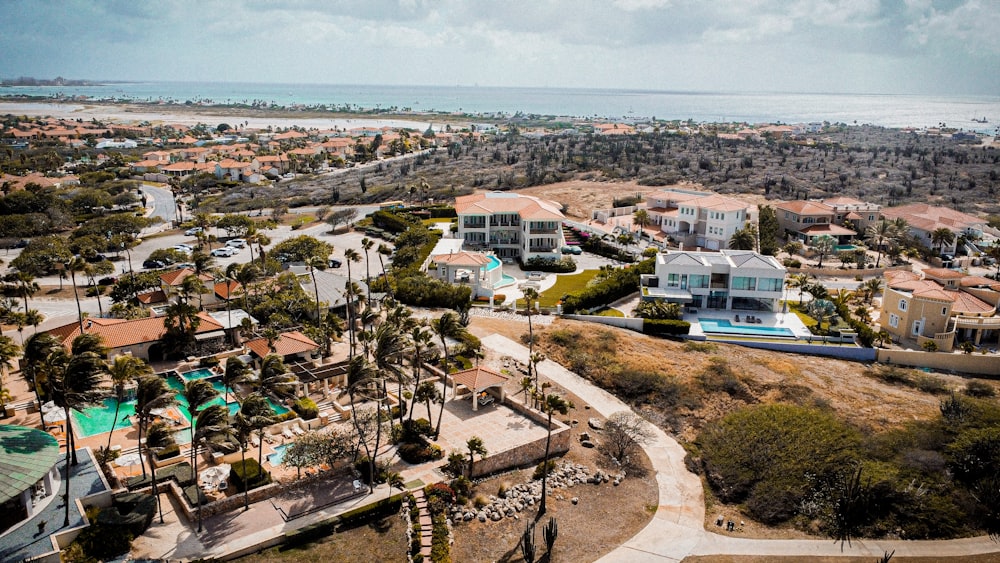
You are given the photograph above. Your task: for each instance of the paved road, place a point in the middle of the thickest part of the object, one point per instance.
(162, 202)
(677, 529)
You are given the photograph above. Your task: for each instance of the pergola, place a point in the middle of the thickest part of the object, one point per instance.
(477, 380)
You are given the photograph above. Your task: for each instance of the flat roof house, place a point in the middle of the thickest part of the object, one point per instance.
(728, 279)
(512, 225)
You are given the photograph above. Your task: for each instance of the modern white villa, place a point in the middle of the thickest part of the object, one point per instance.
(698, 218)
(514, 226)
(739, 280)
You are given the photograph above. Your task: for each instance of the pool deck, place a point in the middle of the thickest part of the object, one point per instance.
(788, 321)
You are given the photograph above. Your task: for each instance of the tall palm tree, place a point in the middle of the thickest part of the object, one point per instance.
(389, 348)
(351, 255)
(245, 275)
(151, 393)
(8, 351)
(123, 370)
(363, 381)
(942, 236)
(366, 245)
(881, 233)
(160, 436)
(798, 281)
(551, 403)
(384, 250)
(258, 415)
(36, 349)
(181, 321)
(275, 379)
(421, 340)
(447, 326)
(190, 286)
(211, 427)
(316, 263)
(871, 288)
(530, 296)
(197, 393)
(236, 372)
(81, 384)
(76, 265)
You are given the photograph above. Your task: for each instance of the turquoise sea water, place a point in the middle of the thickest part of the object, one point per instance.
(878, 109)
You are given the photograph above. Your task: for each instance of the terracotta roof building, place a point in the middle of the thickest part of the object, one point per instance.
(138, 337)
(513, 225)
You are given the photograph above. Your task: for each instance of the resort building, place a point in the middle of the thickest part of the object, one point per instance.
(924, 219)
(729, 279)
(138, 337)
(807, 220)
(514, 226)
(939, 305)
(698, 219)
(29, 478)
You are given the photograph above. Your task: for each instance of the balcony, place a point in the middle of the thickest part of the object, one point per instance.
(542, 249)
(474, 225)
(508, 223)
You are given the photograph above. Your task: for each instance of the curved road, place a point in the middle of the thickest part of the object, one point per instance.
(161, 201)
(677, 529)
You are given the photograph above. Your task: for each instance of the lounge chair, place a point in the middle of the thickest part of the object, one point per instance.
(758, 321)
(737, 318)
(287, 433)
(298, 430)
(254, 440)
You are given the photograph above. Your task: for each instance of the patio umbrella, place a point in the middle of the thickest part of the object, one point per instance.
(128, 460)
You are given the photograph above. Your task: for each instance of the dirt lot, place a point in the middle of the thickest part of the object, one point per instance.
(384, 540)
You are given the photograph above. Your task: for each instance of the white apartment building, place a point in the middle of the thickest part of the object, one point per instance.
(729, 279)
(512, 225)
(697, 218)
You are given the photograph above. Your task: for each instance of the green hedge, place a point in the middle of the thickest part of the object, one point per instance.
(389, 221)
(556, 265)
(179, 472)
(419, 290)
(865, 333)
(617, 284)
(131, 511)
(380, 509)
(306, 408)
(665, 326)
(248, 475)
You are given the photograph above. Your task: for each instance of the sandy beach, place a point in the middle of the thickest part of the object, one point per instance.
(133, 114)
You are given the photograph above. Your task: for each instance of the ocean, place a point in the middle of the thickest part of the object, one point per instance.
(703, 107)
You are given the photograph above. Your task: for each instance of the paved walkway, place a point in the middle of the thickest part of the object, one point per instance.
(677, 529)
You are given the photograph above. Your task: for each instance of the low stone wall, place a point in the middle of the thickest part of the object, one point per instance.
(977, 364)
(845, 272)
(630, 323)
(829, 350)
(525, 454)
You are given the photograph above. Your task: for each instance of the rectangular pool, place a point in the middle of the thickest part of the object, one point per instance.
(723, 326)
(203, 373)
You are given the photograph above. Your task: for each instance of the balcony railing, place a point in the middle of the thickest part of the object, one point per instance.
(505, 223)
(542, 249)
(474, 225)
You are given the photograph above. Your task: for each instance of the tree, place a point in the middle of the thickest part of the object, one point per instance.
(341, 217)
(743, 239)
(798, 281)
(623, 432)
(881, 234)
(475, 447)
(384, 250)
(823, 245)
(446, 326)
(79, 385)
(37, 349)
(641, 219)
(301, 248)
(427, 393)
(366, 245)
(315, 263)
(236, 225)
(198, 393)
(871, 288)
(530, 296)
(387, 353)
(421, 340)
(275, 379)
(942, 236)
(236, 372)
(211, 428)
(8, 351)
(768, 230)
(257, 415)
(181, 321)
(123, 370)
(152, 393)
(76, 265)
(551, 403)
(159, 437)
(351, 255)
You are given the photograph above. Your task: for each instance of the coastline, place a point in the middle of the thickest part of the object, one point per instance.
(192, 115)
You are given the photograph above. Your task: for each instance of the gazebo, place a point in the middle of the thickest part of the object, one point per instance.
(28, 474)
(477, 380)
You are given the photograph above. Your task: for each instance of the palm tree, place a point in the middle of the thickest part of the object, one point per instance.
(447, 326)
(8, 351)
(942, 236)
(275, 379)
(871, 288)
(212, 428)
(743, 239)
(475, 446)
(123, 370)
(76, 265)
(798, 281)
(384, 250)
(427, 393)
(197, 393)
(351, 255)
(550, 403)
(641, 219)
(421, 340)
(530, 296)
(193, 285)
(362, 380)
(181, 321)
(258, 415)
(880, 233)
(316, 263)
(151, 393)
(36, 350)
(366, 245)
(824, 246)
(236, 372)
(160, 436)
(81, 384)
(245, 275)
(390, 346)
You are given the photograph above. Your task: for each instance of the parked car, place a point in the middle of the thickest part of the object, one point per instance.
(225, 252)
(183, 265)
(153, 264)
(110, 280)
(183, 248)
(193, 231)
(576, 250)
(237, 243)
(21, 244)
(334, 263)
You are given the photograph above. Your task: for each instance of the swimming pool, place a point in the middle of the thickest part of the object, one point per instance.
(723, 326)
(505, 280)
(278, 457)
(203, 373)
(494, 262)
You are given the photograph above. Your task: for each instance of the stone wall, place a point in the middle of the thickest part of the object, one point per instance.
(978, 364)
(525, 454)
(830, 350)
(845, 272)
(620, 322)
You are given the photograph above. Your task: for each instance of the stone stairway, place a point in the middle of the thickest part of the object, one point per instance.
(426, 524)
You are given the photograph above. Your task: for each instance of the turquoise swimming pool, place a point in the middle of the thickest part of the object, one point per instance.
(278, 457)
(723, 326)
(97, 420)
(494, 262)
(203, 373)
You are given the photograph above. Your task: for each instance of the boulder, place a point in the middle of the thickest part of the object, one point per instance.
(595, 423)
(575, 500)
(587, 444)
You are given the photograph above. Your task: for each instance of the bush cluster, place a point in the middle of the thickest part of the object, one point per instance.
(418, 290)
(248, 474)
(306, 408)
(617, 284)
(597, 246)
(665, 327)
(131, 511)
(557, 265)
(865, 333)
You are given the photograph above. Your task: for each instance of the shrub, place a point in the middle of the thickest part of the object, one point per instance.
(248, 474)
(665, 327)
(419, 290)
(557, 265)
(101, 542)
(480, 501)
(173, 450)
(131, 511)
(543, 468)
(617, 284)
(306, 408)
(703, 347)
(979, 389)
(419, 451)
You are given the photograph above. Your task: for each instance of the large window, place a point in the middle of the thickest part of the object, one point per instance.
(770, 284)
(902, 304)
(695, 281)
(748, 284)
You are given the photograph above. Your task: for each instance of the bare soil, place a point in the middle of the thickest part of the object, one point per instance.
(384, 540)
(987, 558)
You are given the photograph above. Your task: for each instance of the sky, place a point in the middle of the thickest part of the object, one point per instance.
(942, 47)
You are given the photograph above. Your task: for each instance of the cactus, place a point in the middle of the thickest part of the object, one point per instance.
(528, 543)
(550, 532)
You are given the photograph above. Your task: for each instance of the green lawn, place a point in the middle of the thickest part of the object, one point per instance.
(566, 283)
(609, 312)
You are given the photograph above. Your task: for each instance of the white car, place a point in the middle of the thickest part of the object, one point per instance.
(183, 248)
(225, 251)
(193, 231)
(237, 243)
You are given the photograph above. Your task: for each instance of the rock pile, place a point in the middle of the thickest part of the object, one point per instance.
(519, 497)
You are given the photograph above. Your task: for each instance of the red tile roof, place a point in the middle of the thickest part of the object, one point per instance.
(118, 333)
(287, 343)
(478, 378)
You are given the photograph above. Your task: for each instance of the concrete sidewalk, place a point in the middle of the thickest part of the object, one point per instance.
(677, 529)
